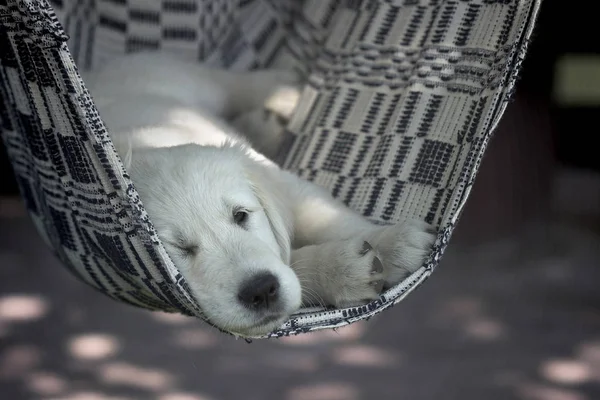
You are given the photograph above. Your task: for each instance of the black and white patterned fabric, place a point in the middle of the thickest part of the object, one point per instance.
(400, 102)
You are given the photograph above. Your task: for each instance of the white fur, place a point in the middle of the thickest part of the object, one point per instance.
(172, 122)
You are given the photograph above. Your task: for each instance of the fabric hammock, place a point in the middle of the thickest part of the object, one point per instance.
(400, 102)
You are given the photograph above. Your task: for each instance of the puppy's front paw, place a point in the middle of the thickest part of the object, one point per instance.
(388, 256)
(352, 272)
(402, 248)
(348, 273)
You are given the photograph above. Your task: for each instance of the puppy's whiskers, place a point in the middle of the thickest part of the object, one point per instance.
(312, 298)
(297, 262)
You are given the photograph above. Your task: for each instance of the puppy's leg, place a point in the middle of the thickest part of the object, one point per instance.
(343, 274)
(223, 93)
(353, 271)
(271, 89)
(264, 126)
(263, 129)
(258, 104)
(343, 258)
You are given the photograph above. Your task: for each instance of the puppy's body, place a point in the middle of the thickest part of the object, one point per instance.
(253, 241)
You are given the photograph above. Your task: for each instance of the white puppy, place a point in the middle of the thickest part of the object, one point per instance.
(254, 242)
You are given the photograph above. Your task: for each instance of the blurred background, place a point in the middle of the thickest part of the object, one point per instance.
(512, 313)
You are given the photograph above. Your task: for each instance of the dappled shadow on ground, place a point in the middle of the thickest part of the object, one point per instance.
(518, 320)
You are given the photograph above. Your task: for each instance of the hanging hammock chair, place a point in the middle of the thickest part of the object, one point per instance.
(400, 101)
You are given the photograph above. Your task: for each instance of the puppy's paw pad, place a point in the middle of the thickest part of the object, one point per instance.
(377, 267)
(355, 271)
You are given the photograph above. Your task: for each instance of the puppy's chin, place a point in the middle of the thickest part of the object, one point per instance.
(262, 328)
(254, 325)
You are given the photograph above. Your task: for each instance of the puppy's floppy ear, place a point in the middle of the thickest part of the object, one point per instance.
(280, 219)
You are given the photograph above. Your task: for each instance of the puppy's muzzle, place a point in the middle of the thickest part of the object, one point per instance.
(261, 292)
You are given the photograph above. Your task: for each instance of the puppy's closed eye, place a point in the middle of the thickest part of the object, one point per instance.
(188, 249)
(184, 247)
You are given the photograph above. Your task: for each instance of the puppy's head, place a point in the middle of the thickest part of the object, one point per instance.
(223, 231)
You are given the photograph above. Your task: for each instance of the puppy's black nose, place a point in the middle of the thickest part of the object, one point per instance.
(260, 291)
